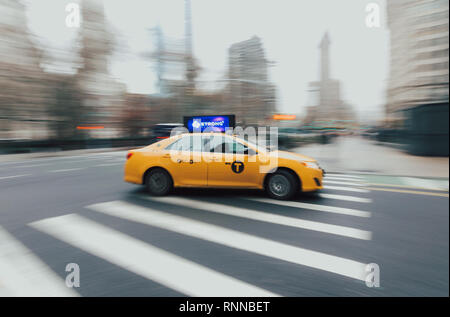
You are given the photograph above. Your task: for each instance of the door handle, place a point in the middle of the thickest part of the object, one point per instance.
(227, 163)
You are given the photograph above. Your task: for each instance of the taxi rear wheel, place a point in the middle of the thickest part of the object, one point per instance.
(281, 185)
(158, 182)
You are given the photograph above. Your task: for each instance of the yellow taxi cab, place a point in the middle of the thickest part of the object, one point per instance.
(220, 160)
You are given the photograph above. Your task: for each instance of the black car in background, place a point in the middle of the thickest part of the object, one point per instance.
(162, 131)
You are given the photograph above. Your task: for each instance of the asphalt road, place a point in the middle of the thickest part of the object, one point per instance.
(56, 211)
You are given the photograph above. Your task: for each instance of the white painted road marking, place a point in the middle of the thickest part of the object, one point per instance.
(34, 165)
(24, 274)
(67, 170)
(324, 208)
(347, 198)
(108, 164)
(144, 259)
(14, 176)
(230, 238)
(265, 217)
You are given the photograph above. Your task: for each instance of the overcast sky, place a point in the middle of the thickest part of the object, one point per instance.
(290, 31)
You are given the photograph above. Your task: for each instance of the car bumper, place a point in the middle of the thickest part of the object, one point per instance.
(132, 173)
(313, 181)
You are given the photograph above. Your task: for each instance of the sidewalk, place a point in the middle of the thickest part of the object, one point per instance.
(29, 156)
(358, 155)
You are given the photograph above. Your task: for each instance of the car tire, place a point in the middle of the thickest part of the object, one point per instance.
(281, 185)
(158, 182)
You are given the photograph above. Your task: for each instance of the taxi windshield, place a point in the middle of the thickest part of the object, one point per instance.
(259, 147)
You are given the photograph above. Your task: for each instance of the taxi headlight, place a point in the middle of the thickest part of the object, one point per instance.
(311, 165)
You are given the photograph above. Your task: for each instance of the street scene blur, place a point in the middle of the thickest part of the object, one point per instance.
(358, 86)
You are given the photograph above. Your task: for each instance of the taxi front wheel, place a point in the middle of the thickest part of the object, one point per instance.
(281, 185)
(158, 182)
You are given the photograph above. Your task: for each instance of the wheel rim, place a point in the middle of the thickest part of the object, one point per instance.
(279, 185)
(158, 182)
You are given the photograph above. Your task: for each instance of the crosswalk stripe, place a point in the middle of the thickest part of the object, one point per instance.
(265, 217)
(317, 207)
(144, 259)
(24, 274)
(344, 176)
(348, 189)
(233, 239)
(325, 182)
(347, 198)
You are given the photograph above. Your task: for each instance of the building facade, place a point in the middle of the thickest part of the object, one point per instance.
(417, 93)
(102, 95)
(252, 97)
(23, 93)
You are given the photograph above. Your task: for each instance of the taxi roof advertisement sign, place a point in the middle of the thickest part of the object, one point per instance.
(217, 123)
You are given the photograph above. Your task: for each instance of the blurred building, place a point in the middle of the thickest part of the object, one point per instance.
(190, 65)
(102, 95)
(252, 97)
(23, 94)
(417, 94)
(176, 70)
(327, 108)
(169, 63)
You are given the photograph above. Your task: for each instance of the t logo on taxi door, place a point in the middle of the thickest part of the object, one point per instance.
(237, 167)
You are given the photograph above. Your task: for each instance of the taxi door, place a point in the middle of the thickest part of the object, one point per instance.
(183, 161)
(232, 164)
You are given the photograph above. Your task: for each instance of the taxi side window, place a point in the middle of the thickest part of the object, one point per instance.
(182, 144)
(219, 144)
(187, 143)
(235, 147)
(197, 143)
(216, 144)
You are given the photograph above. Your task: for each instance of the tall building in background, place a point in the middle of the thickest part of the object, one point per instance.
(168, 59)
(327, 108)
(191, 71)
(101, 93)
(160, 60)
(23, 94)
(417, 94)
(251, 95)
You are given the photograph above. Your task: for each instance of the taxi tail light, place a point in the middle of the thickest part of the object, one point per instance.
(129, 155)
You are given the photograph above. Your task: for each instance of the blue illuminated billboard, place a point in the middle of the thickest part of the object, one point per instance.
(213, 123)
